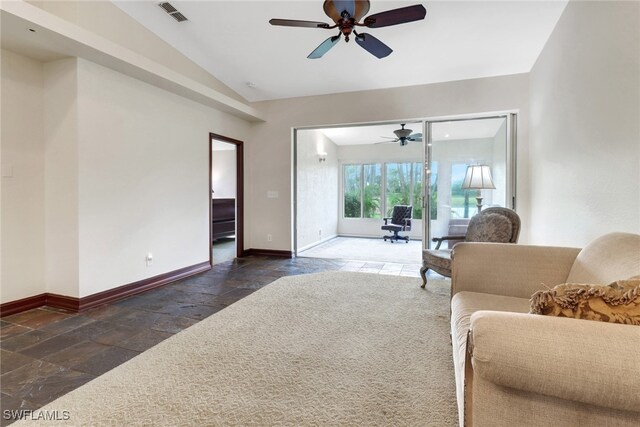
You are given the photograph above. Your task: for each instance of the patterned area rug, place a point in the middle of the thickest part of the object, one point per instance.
(335, 348)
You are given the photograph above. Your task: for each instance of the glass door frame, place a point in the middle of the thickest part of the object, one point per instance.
(511, 169)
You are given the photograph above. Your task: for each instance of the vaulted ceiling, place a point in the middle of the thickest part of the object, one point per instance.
(458, 40)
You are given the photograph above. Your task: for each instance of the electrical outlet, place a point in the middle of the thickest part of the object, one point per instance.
(149, 259)
(269, 237)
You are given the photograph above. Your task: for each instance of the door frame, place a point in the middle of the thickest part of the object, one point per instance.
(511, 118)
(239, 193)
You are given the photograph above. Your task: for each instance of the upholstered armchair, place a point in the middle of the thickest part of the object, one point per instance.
(400, 221)
(495, 225)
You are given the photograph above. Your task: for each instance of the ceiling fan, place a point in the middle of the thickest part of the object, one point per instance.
(403, 136)
(346, 15)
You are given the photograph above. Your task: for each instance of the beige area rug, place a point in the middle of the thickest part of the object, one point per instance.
(366, 249)
(339, 348)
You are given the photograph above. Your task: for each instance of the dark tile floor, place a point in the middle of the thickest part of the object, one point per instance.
(47, 352)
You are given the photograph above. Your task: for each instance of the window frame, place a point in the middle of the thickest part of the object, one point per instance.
(383, 186)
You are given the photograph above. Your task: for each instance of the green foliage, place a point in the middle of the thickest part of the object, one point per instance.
(399, 177)
(352, 204)
(434, 201)
(371, 206)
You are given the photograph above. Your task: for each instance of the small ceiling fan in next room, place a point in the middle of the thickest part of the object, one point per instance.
(403, 136)
(346, 15)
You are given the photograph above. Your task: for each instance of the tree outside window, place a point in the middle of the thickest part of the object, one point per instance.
(352, 191)
(398, 185)
(372, 191)
(402, 182)
(460, 198)
(433, 190)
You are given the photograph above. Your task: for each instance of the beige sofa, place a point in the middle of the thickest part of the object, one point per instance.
(519, 369)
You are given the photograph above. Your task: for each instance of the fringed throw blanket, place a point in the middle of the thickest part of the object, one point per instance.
(618, 302)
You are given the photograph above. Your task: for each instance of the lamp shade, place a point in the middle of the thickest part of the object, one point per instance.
(478, 177)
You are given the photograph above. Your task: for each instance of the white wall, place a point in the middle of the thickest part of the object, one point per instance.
(318, 189)
(585, 128)
(143, 178)
(272, 140)
(380, 153)
(106, 169)
(61, 176)
(22, 147)
(223, 174)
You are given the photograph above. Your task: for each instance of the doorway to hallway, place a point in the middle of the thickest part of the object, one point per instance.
(226, 190)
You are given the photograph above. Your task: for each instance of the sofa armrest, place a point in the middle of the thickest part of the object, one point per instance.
(509, 269)
(580, 360)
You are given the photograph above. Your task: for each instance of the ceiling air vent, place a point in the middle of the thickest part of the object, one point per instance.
(168, 7)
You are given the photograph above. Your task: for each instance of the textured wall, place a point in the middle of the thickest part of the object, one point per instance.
(317, 196)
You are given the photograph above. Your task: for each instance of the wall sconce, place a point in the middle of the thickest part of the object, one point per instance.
(322, 157)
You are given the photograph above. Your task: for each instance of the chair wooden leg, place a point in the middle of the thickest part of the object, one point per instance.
(423, 274)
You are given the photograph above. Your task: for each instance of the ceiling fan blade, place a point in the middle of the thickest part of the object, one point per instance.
(416, 136)
(385, 142)
(396, 16)
(388, 137)
(324, 47)
(373, 45)
(297, 23)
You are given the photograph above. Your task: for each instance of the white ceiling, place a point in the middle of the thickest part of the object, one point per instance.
(458, 40)
(441, 131)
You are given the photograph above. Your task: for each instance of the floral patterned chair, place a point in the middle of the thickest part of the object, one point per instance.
(495, 225)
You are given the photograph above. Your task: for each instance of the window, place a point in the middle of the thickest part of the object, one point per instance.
(372, 191)
(416, 177)
(398, 185)
(460, 204)
(364, 185)
(352, 191)
(433, 190)
(404, 186)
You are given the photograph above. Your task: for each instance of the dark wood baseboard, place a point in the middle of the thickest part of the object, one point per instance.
(24, 304)
(141, 286)
(268, 252)
(80, 304)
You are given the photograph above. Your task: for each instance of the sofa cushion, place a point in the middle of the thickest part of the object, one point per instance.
(463, 305)
(606, 259)
(618, 302)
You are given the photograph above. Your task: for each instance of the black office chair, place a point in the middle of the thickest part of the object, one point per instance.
(400, 221)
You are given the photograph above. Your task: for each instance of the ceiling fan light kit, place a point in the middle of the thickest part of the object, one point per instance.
(403, 136)
(346, 15)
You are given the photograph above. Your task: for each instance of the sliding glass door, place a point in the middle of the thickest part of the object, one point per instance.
(470, 165)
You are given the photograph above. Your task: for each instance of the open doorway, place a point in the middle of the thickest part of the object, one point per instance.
(457, 150)
(227, 198)
(348, 180)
